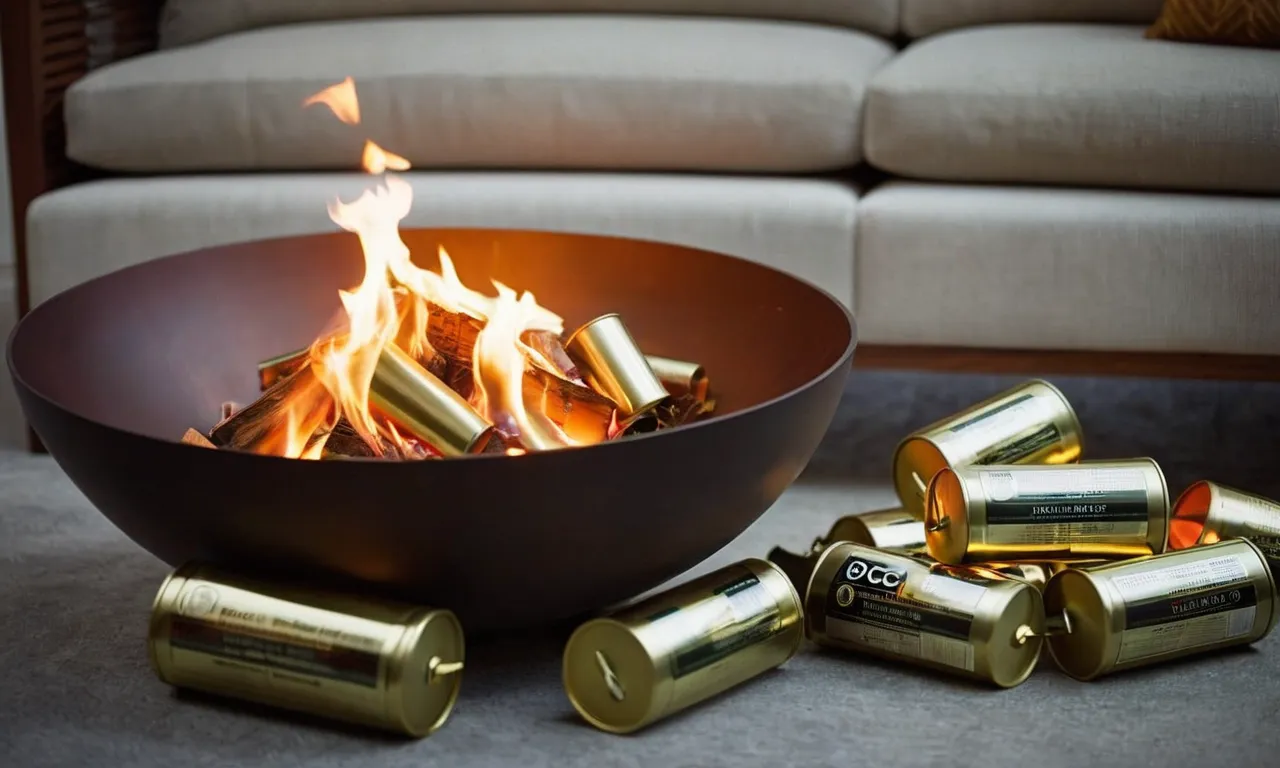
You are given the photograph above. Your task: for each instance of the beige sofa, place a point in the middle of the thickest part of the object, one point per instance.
(987, 183)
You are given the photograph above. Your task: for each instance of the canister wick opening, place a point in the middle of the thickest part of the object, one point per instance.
(1054, 626)
(942, 524)
(438, 668)
(610, 678)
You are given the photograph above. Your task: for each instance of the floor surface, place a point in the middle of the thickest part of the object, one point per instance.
(77, 688)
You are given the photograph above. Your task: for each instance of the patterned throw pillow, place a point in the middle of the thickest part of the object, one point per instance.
(1226, 22)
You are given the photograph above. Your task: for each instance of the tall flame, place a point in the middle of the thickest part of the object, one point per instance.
(499, 366)
(345, 364)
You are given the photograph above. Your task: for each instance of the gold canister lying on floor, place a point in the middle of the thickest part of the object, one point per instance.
(977, 625)
(683, 646)
(371, 662)
(614, 366)
(1030, 424)
(424, 406)
(1138, 612)
(680, 377)
(1091, 509)
(1208, 512)
(892, 530)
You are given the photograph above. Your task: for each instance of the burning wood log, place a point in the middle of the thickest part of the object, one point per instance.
(196, 437)
(550, 355)
(342, 441)
(582, 414)
(271, 372)
(452, 334)
(297, 404)
(413, 323)
(414, 313)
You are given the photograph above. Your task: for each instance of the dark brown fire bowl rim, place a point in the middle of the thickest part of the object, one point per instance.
(844, 361)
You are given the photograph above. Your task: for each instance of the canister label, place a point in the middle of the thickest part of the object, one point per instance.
(738, 614)
(1010, 432)
(874, 604)
(1186, 606)
(1047, 506)
(222, 636)
(1270, 546)
(1251, 515)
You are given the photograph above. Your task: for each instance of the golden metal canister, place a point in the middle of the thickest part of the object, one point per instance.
(1152, 609)
(680, 377)
(1054, 567)
(1019, 512)
(614, 366)
(1034, 574)
(424, 406)
(1032, 423)
(377, 663)
(954, 619)
(681, 647)
(1208, 512)
(893, 530)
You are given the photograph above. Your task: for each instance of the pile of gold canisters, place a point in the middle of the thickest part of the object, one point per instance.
(1006, 542)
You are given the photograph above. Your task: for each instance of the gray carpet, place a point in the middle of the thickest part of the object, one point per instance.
(77, 690)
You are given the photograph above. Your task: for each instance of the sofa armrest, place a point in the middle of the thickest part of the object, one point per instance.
(47, 45)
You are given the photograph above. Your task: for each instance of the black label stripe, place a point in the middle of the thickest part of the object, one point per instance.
(759, 622)
(1192, 606)
(903, 616)
(871, 593)
(1011, 452)
(991, 414)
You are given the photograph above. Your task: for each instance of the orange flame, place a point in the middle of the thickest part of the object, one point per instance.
(341, 98)
(378, 160)
(498, 366)
(345, 364)
(297, 437)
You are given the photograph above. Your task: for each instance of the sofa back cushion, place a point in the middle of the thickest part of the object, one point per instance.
(189, 21)
(925, 17)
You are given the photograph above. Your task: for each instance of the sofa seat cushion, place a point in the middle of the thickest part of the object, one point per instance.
(1078, 104)
(188, 21)
(489, 91)
(802, 226)
(927, 17)
(1070, 269)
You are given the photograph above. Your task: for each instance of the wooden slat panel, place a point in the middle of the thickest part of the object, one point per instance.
(47, 45)
(73, 45)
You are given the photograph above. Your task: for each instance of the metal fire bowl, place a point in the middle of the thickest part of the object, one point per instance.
(112, 372)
